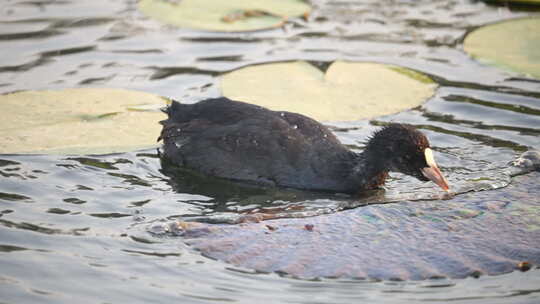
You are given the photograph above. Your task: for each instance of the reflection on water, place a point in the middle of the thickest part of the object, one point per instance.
(100, 226)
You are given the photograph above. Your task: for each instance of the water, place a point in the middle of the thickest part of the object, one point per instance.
(103, 228)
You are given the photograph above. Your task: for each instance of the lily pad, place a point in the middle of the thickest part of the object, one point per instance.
(347, 91)
(79, 121)
(512, 45)
(225, 16)
(528, 2)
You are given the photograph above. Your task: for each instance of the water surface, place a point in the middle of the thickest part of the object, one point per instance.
(93, 228)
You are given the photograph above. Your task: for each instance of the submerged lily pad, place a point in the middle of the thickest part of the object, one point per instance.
(226, 16)
(485, 232)
(78, 121)
(347, 91)
(513, 45)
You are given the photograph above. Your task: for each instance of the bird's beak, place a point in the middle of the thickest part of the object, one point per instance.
(433, 173)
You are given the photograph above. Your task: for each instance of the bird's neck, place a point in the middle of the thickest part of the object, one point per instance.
(370, 171)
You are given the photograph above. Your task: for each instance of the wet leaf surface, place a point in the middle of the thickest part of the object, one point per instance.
(472, 234)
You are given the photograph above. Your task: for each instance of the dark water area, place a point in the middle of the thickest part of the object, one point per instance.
(106, 228)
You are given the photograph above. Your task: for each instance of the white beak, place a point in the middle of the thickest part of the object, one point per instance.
(433, 173)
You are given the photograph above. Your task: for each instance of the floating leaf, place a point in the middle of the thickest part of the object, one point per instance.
(347, 91)
(79, 121)
(528, 2)
(513, 45)
(224, 15)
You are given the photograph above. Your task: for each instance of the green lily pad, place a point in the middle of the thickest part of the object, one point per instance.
(347, 91)
(224, 15)
(79, 121)
(512, 45)
(528, 2)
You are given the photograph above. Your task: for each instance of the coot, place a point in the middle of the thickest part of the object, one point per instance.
(244, 142)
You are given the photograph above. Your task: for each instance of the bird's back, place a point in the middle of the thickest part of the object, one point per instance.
(245, 142)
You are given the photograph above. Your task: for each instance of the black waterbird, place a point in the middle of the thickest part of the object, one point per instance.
(248, 143)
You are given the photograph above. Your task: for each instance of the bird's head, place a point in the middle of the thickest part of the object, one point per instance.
(404, 149)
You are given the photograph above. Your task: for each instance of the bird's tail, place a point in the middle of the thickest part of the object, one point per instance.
(171, 110)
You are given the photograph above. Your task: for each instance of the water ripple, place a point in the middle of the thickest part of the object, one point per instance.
(112, 220)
